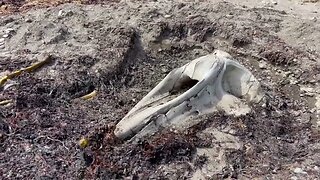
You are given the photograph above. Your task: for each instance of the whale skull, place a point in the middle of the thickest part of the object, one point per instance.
(205, 85)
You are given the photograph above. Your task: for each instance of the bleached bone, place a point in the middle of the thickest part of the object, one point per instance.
(205, 85)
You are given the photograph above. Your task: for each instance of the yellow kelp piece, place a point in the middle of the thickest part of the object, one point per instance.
(37, 65)
(90, 95)
(3, 80)
(31, 68)
(83, 143)
(5, 102)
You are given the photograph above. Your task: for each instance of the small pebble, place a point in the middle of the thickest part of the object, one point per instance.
(63, 13)
(9, 30)
(293, 81)
(232, 131)
(296, 113)
(167, 16)
(165, 70)
(60, 13)
(299, 171)
(312, 110)
(312, 81)
(309, 94)
(28, 20)
(262, 65)
(316, 168)
(5, 35)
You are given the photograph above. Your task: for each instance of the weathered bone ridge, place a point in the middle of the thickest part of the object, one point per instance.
(211, 83)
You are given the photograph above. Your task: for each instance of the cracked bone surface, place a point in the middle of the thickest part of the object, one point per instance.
(208, 84)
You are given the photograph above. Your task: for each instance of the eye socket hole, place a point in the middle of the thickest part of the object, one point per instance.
(184, 85)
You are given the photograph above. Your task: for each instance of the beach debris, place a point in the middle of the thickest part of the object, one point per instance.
(5, 102)
(28, 69)
(83, 143)
(90, 95)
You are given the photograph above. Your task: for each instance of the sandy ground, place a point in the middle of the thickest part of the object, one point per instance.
(122, 50)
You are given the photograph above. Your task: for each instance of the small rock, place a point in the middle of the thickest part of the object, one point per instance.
(307, 89)
(312, 110)
(312, 81)
(193, 16)
(286, 73)
(60, 13)
(262, 65)
(299, 171)
(28, 20)
(314, 19)
(309, 94)
(295, 113)
(69, 13)
(1, 40)
(5, 35)
(316, 168)
(165, 70)
(63, 13)
(294, 178)
(167, 16)
(293, 81)
(9, 30)
(232, 131)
